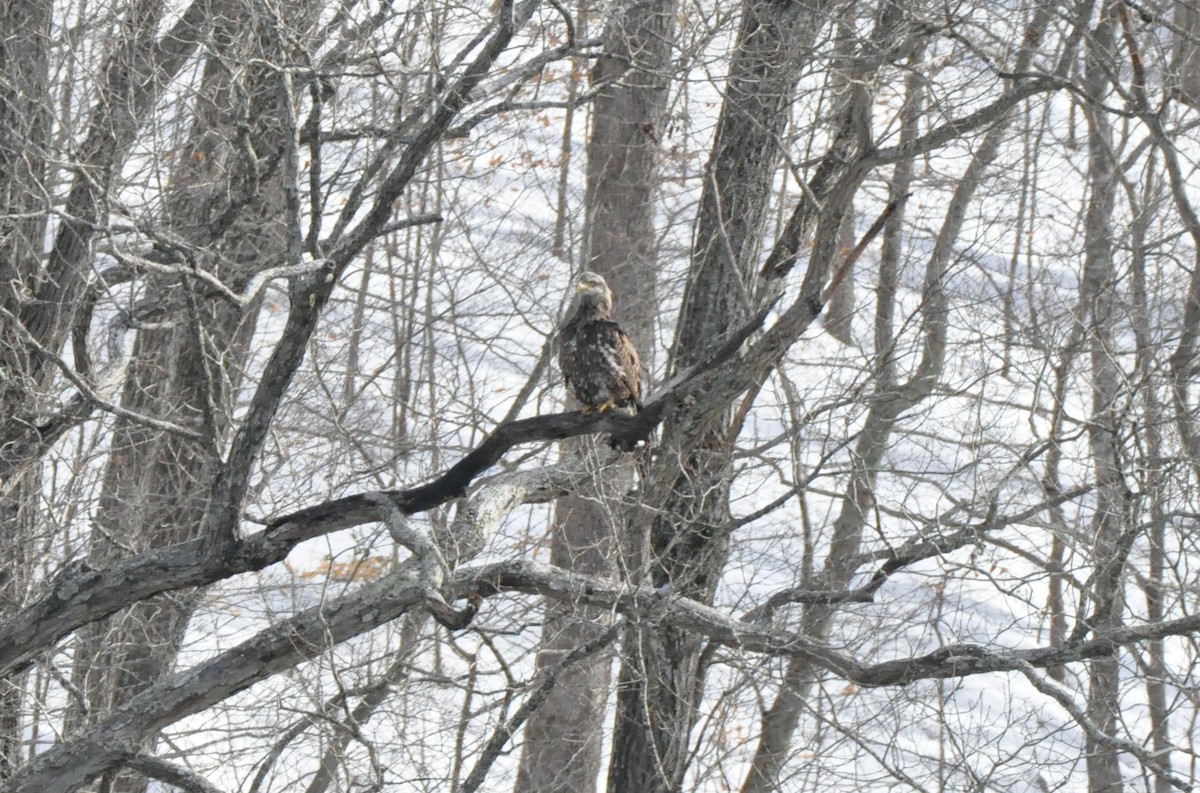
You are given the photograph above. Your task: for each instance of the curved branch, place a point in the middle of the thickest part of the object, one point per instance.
(626, 431)
(80, 594)
(1067, 700)
(175, 775)
(288, 643)
(505, 731)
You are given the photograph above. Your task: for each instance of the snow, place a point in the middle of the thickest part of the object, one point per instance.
(491, 291)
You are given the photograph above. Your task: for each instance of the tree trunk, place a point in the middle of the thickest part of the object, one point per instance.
(1186, 61)
(839, 312)
(156, 488)
(1056, 599)
(563, 738)
(1153, 464)
(19, 528)
(24, 133)
(131, 86)
(838, 318)
(682, 532)
(1099, 303)
(52, 297)
(25, 121)
(891, 400)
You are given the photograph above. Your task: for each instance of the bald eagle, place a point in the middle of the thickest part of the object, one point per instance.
(597, 358)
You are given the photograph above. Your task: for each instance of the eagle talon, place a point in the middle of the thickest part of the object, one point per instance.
(586, 410)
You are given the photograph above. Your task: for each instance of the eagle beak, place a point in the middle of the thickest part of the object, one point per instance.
(581, 287)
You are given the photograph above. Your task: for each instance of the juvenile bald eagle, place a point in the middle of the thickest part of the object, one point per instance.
(597, 358)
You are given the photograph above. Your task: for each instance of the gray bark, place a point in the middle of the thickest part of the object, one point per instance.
(80, 594)
(133, 79)
(839, 312)
(136, 74)
(1111, 522)
(157, 485)
(681, 534)
(1155, 584)
(774, 43)
(1056, 600)
(283, 646)
(20, 524)
(25, 119)
(838, 318)
(1185, 63)
(563, 738)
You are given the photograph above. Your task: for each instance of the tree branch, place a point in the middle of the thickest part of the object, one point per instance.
(290, 642)
(80, 594)
(175, 775)
(504, 733)
(1067, 700)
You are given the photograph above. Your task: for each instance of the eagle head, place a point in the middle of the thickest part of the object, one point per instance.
(594, 295)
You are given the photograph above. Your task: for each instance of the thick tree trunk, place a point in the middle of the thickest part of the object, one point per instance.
(25, 119)
(838, 318)
(563, 738)
(1186, 61)
(682, 534)
(1056, 597)
(130, 87)
(19, 529)
(53, 293)
(24, 136)
(157, 486)
(780, 720)
(839, 311)
(562, 742)
(1156, 583)
(774, 43)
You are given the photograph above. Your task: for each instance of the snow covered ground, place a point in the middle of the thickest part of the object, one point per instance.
(439, 328)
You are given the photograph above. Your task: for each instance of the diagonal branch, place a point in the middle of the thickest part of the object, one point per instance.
(504, 733)
(1067, 700)
(175, 775)
(286, 644)
(80, 594)
(86, 389)
(310, 295)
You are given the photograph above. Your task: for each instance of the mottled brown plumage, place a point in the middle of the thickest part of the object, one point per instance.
(597, 358)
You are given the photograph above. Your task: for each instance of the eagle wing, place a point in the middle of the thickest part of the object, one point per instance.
(629, 363)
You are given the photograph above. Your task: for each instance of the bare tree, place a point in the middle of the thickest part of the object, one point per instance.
(563, 738)
(1186, 60)
(1112, 520)
(225, 203)
(284, 501)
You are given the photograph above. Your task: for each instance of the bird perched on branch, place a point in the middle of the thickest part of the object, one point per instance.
(597, 358)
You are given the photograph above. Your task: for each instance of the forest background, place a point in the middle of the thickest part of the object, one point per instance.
(291, 496)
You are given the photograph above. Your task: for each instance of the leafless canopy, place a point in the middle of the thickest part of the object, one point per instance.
(292, 497)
